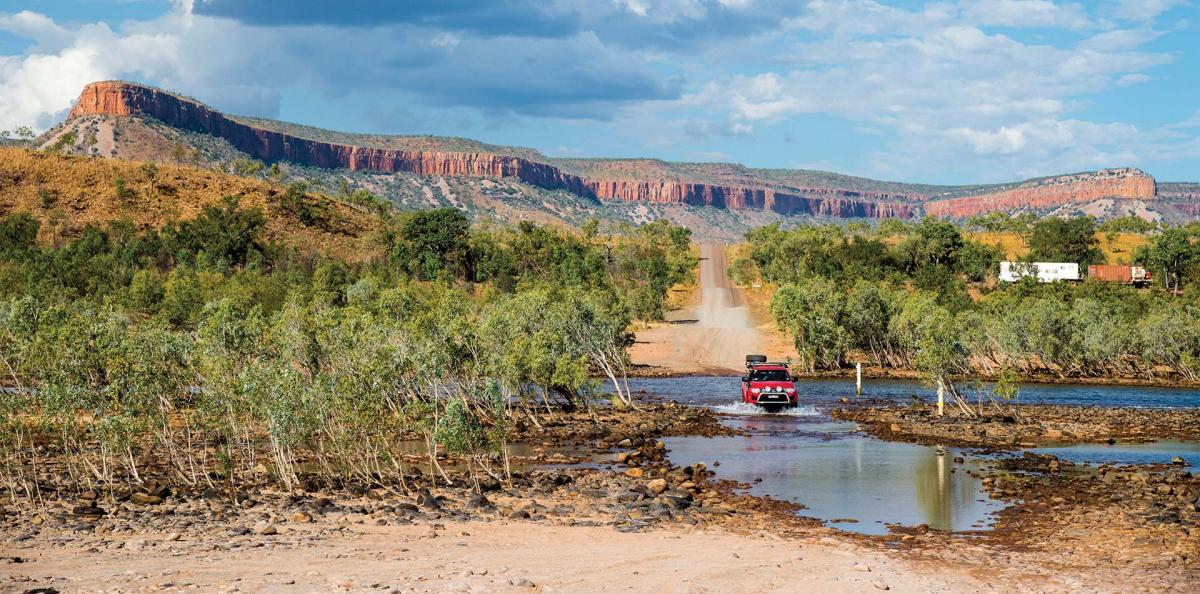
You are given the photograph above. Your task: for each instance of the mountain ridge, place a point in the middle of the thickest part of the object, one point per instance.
(649, 181)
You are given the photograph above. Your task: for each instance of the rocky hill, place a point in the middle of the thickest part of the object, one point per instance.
(639, 182)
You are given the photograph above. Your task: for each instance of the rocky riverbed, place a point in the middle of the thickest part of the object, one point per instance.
(1067, 527)
(1022, 425)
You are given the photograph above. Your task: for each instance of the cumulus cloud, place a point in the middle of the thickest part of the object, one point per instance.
(38, 87)
(988, 88)
(245, 68)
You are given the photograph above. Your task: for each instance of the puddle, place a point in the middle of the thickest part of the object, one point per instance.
(1159, 452)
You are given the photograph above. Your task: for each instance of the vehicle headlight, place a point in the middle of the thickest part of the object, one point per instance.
(755, 390)
(790, 390)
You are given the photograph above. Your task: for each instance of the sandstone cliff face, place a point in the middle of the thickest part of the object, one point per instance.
(126, 99)
(1050, 193)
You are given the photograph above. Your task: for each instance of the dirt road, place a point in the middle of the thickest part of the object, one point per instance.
(521, 557)
(712, 336)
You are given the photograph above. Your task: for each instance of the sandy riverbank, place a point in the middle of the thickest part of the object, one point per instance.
(499, 556)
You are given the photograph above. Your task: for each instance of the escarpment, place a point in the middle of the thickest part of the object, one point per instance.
(754, 190)
(1125, 183)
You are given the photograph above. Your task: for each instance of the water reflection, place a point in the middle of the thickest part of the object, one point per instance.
(849, 477)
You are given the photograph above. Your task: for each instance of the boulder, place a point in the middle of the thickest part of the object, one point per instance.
(145, 499)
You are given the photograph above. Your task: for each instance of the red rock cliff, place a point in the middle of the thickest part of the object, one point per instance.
(127, 99)
(1051, 192)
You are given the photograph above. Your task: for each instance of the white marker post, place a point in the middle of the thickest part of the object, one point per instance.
(858, 379)
(941, 398)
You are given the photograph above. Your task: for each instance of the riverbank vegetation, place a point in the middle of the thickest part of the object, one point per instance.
(925, 297)
(200, 350)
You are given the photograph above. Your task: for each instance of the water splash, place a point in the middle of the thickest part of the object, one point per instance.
(747, 409)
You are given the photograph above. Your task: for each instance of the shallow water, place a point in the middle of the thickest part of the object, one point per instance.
(1159, 452)
(710, 390)
(805, 456)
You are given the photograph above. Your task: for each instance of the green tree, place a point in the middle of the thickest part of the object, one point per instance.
(223, 235)
(811, 311)
(1054, 239)
(1173, 253)
(435, 242)
(18, 234)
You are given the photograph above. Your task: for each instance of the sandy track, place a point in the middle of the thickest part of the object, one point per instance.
(713, 336)
(478, 557)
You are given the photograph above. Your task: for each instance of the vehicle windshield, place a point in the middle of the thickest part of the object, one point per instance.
(769, 375)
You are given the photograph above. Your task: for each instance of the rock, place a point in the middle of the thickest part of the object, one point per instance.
(172, 537)
(1177, 461)
(657, 486)
(521, 583)
(519, 514)
(427, 500)
(635, 473)
(879, 585)
(862, 567)
(145, 499)
(1052, 433)
(88, 510)
(302, 517)
(265, 529)
(895, 428)
(478, 501)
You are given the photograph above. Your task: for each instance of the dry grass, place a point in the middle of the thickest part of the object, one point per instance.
(68, 193)
(1118, 251)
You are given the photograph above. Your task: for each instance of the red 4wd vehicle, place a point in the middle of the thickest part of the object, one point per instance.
(769, 385)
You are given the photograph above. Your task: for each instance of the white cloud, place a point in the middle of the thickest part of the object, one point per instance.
(1132, 79)
(38, 88)
(1145, 10)
(945, 84)
(1025, 13)
(38, 27)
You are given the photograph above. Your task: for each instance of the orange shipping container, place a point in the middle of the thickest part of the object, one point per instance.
(1113, 273)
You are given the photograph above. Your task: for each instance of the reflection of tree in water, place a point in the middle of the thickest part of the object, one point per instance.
(938, 492)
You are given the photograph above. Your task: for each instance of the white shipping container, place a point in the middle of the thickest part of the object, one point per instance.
(1045, 272)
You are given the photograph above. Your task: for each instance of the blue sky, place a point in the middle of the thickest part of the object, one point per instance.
(950, 91)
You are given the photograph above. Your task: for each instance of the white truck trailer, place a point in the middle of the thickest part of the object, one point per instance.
(1045, 272)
